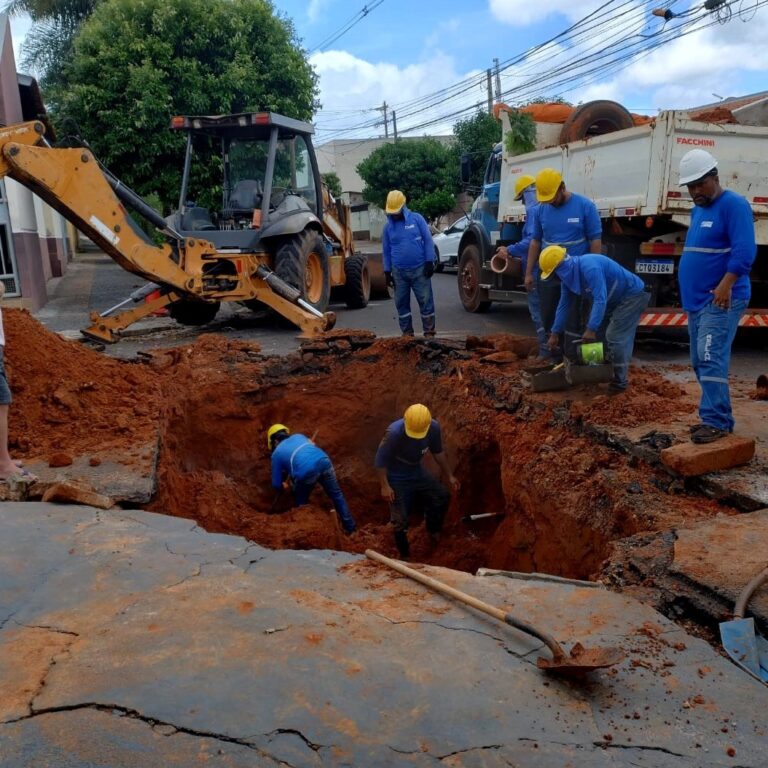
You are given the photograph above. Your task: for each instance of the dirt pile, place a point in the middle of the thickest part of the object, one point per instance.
(68, 398)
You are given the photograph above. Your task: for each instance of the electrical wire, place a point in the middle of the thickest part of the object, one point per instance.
(346, 26)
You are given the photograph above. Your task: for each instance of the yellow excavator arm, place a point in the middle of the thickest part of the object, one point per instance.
(72, 182)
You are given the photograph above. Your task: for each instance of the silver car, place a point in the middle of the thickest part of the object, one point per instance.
(447, 244)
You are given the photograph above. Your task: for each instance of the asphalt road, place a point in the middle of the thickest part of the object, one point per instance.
(95, 283)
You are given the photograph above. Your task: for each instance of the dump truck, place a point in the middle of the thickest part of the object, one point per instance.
(276, 238)
(630, 171)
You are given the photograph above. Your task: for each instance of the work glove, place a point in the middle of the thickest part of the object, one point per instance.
(390, 280)
(429, 269)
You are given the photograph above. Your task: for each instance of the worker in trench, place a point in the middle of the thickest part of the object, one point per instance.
(618, 298)
(299, 464)
(573, 222)
(404, 480)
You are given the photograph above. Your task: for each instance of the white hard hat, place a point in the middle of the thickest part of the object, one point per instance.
(696, 164)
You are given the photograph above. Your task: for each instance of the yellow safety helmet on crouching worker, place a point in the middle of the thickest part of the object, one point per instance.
(548, 181)
(417, 421)
(550, 258)
(522, 184)
(272, 431)
(395, 201)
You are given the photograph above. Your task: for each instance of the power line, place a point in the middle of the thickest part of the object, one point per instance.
(346, 26)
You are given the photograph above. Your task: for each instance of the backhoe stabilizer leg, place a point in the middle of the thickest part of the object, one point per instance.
(107, 329)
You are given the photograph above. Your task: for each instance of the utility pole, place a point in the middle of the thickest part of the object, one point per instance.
(498, 79)
(490, 91)
(394, 124)
(383, 108)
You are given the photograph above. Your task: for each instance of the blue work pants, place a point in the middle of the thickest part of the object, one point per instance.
(421, 486)
(712, 330)
(534, 308)
(549, 298)
(326, 476)
(407, 280)
(620, 334)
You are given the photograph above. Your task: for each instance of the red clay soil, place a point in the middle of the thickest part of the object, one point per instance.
(714, 115)
(564, 498)
(70, 399)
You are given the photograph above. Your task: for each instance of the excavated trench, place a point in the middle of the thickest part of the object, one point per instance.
(562, 500)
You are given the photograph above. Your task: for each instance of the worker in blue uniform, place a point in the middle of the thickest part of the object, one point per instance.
(718, 254)
(409, 262)
(571, 221)
(618, 299)
(298, 463)
(525, 190)
(403, 478)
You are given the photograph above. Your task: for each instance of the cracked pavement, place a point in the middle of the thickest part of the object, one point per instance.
(130, 638)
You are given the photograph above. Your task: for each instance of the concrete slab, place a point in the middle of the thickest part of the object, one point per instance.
(690, 460)
(723, 554)
(119, 627)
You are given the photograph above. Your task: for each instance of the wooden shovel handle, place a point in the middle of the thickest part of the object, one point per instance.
(473, 602)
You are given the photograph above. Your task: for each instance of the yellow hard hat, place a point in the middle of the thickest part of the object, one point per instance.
(522, 184)
(548, 181)
(395, 201)
(273, 430)
(417, 420)
(549, 259)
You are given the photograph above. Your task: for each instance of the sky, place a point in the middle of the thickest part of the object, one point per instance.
(405, 52)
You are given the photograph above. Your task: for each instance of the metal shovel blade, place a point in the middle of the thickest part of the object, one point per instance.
(748, 649)
(581, 661)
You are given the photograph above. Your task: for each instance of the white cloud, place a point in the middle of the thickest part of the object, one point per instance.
(521, 13)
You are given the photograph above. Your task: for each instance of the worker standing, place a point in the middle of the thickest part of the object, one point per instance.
(618, 299)
(298, 462)
(718, 254)
(409, 263)
(525, 190)
(403, 478)
(568, 220)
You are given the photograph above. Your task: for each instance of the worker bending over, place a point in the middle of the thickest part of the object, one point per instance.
(618, 299)
(525, 190)
(403, 478)
(297, 461)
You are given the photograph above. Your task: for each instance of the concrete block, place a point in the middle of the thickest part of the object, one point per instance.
(70, 492)
(690, 459)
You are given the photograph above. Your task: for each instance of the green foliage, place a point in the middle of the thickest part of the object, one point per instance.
(418, 167)
(333, 182)
(434, 204)
(136, 63)
(477, 136)
(522, 134)
(550, 100)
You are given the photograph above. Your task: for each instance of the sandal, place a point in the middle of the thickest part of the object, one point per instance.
(706, 434)
(22, 476)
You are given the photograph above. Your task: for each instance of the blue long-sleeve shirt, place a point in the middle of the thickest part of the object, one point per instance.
(401, 455)
(406, 243)
(720, 239)
(574, 224)
(520, 248)
(297, 457)
(605, 281)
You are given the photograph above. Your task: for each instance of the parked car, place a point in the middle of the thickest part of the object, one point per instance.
(447, 244)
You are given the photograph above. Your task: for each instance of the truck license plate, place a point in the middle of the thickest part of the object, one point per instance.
(654, 266)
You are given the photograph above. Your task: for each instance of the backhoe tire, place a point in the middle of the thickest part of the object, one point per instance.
(303, 263)
(595, 118)
(357, 288)
(470, 292)
(193, 312)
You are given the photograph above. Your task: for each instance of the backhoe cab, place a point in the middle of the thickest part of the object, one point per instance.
(278, 239)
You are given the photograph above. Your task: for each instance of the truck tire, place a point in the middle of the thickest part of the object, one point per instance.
(595, 118)
(357, 288)
(439, 266)
(470, 292)
(193, 312)
(303, 263)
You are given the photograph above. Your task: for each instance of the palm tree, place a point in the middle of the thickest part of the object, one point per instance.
(48, 44)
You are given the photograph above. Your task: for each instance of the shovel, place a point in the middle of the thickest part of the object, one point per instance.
(578, 663)
(481, 516)
(748, 649)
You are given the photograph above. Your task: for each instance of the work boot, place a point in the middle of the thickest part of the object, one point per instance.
(403, 547)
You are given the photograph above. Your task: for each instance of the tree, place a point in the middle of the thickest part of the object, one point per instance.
(419, 167)
(177, 57)
(477, 136)
(47, 47)
(333, 182)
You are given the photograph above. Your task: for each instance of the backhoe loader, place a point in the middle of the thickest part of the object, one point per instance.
(277, 240)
